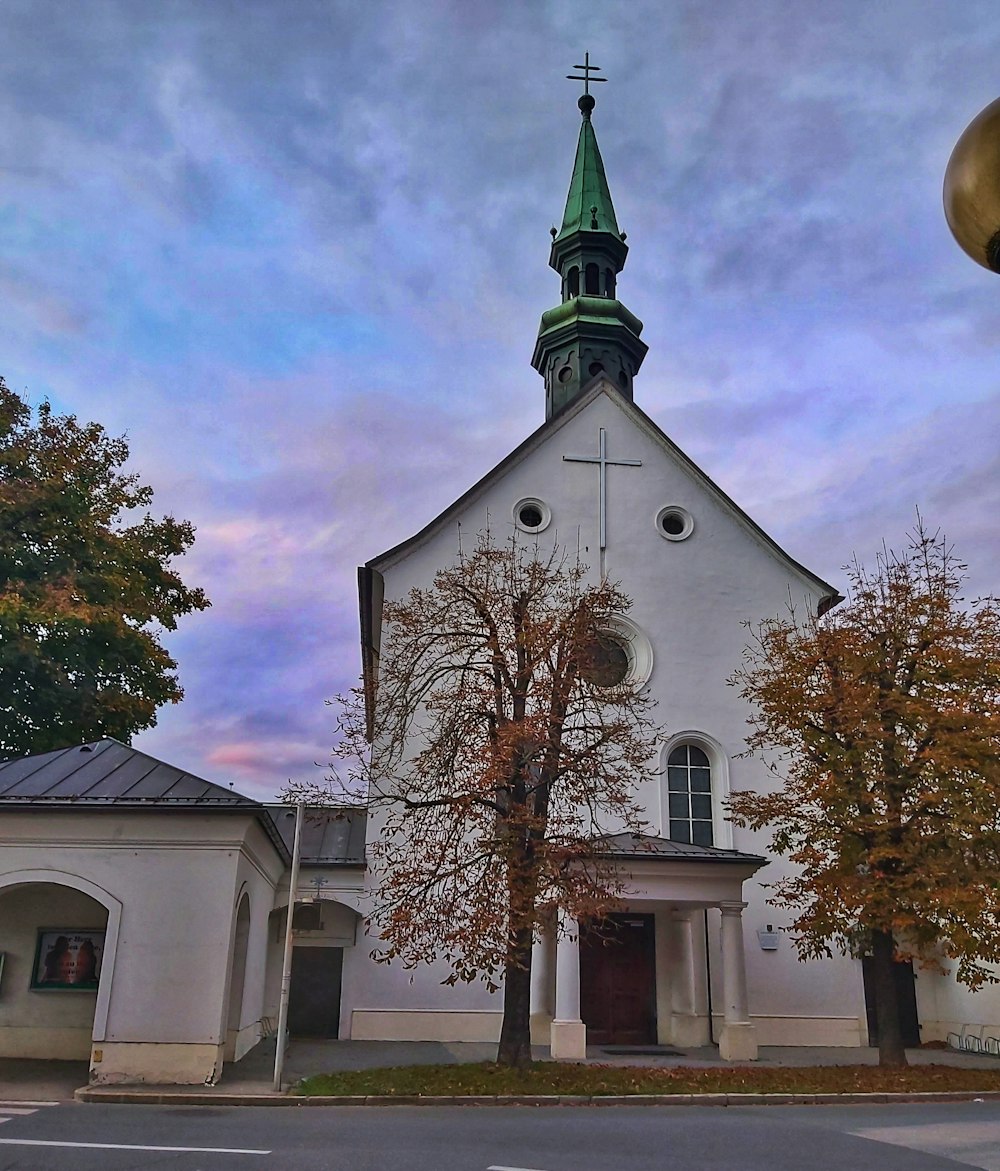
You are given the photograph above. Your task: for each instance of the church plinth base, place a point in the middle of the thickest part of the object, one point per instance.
(687, 1030)
(738, 1043)
(541, 1028)
(569, 1040)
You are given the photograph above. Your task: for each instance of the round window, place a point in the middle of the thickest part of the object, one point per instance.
(605, 660)
(618, 653)
(565, 374)
(674, 523)
(531, 515)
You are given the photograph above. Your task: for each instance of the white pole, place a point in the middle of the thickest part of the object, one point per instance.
(286, 961)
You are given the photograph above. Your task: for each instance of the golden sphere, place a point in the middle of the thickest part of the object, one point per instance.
(972, 188)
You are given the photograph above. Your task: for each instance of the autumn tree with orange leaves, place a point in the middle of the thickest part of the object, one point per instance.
(502, 747)
(883, 719)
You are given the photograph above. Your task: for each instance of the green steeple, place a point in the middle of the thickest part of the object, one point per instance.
(588, 204)
(590, 332)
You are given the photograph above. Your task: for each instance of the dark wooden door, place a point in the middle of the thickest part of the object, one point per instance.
(314, 995)
(618, 982)
(906, 997)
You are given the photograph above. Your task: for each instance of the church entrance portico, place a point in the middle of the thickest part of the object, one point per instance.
(644, 976)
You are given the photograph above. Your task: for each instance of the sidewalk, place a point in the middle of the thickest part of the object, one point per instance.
(249, 1081)
(23, 1079)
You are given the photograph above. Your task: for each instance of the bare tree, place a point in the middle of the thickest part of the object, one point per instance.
(504, 735)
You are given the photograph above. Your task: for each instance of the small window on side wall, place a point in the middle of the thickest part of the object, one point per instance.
(689, 796)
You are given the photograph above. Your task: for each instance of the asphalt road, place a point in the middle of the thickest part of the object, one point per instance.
(74, 1137)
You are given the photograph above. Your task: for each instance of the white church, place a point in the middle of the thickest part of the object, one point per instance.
(143, 910)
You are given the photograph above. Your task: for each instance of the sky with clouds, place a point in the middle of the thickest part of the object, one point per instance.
(296, 250)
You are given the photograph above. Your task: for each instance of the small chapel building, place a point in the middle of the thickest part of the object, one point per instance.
(143, 910)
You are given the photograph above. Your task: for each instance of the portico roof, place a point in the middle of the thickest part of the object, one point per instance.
(655, 848)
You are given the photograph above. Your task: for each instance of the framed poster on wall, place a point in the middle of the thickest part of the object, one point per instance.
(67, 958)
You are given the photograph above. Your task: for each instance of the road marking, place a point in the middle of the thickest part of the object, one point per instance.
(11, 1110)
(976, 1144)
(38, 1142)
(497, 1168)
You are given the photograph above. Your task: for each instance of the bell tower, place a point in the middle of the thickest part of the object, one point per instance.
(590, 332)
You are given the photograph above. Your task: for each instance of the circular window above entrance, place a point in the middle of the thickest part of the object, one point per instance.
(606, 660)
(532, 515)
(620, 653)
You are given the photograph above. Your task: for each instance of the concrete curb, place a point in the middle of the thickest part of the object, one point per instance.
(138, 1097)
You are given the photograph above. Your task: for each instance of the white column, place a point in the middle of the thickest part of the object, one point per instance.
(569, 1033)
(542, 972)
(738, 1041)
(687, 1027)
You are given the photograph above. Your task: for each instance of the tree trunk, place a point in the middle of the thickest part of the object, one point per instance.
(515, 1033)
(890, 1039)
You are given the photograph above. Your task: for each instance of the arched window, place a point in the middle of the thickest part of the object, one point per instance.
(689, 795)
(592, 280)
(573, 282)
(609, 283)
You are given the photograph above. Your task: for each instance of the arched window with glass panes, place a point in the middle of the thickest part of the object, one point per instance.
(689, 795)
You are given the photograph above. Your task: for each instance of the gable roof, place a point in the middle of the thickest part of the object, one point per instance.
(603, 385)
(370, 583)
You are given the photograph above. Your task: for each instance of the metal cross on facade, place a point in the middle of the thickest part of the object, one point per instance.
(588, 69)
(601, 459)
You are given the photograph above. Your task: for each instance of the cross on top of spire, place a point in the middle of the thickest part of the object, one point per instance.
(588, 69)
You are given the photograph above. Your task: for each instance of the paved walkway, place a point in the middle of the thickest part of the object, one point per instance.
(27, 1080)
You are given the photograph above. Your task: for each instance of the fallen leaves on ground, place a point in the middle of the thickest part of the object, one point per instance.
(546, 1077)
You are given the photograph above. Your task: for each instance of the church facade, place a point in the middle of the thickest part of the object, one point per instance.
(142, 910)
(600, 477)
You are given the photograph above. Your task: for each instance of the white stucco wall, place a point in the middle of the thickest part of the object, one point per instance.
(258, 872)
(946, 1007)
(176, 876)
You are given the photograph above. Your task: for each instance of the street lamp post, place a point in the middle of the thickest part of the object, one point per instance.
(286, 959)
(972, 189)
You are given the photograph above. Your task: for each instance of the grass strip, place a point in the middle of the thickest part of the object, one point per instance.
(547, 1077)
